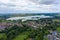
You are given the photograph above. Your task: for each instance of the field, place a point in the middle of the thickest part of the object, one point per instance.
(58, 29)
(3, 36)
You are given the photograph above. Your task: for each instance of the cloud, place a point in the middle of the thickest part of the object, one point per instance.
(40, 6)
(47, 2)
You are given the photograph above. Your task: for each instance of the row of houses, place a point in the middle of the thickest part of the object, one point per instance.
(54, 35)
(28, 23)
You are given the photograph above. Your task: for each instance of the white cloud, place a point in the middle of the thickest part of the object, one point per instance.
(28, 5)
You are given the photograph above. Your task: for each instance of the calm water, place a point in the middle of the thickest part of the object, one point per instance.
(29, 17)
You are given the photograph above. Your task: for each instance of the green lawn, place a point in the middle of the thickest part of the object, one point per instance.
(22, 36)
(57, 20)
(58, 29)
(3, 36)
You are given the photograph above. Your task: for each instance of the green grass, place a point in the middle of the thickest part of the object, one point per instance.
(57, 20)
(22, 36)
(3, 36)
(58, 29)
(46, 39)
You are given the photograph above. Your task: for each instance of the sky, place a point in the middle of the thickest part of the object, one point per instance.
(29, 6)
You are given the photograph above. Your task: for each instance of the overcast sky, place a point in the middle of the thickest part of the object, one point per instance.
(29, 6)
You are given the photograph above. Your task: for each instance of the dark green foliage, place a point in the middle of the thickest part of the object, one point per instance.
(28, 32)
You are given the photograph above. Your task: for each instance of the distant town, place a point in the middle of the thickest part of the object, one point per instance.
(30, 27)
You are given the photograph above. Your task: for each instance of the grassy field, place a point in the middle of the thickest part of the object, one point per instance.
(57, 20)
(22, 36)
(58, 29)
(3, 36)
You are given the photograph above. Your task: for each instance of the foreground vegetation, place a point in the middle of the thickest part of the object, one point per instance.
(26, 32)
